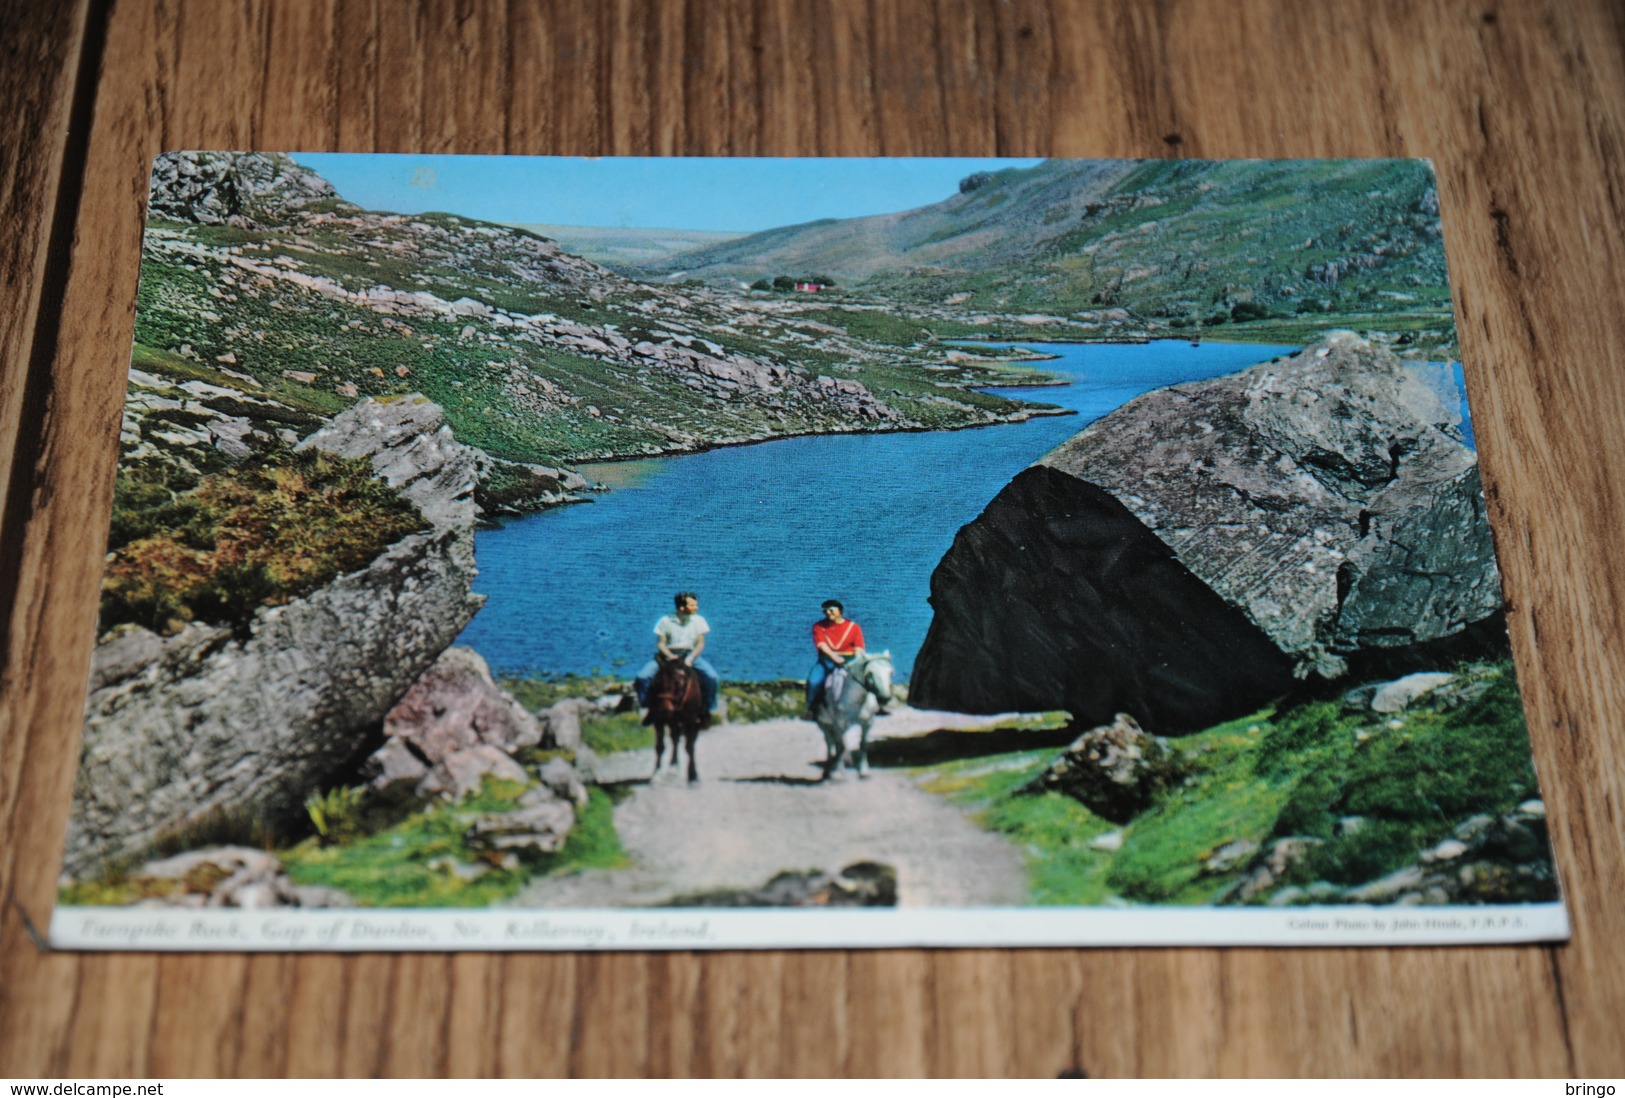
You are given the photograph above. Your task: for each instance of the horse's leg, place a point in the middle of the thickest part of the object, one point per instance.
(863, 749)
(693, 771)
(660, 745)
(838, 756)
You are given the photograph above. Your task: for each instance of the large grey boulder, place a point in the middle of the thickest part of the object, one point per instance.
(184, 731)
(1187, 556)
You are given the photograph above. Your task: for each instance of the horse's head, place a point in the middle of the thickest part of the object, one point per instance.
(875, 670)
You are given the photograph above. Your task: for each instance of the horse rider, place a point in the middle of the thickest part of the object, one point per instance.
(837, 638)
(680, 635)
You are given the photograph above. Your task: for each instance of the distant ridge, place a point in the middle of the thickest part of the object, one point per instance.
(1164, 238)
(616, 246)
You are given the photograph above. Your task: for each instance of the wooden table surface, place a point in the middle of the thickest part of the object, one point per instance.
(1521, 107)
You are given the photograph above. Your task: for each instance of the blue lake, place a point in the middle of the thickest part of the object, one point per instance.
(764, 533)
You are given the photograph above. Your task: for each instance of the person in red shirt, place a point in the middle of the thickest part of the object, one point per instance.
(837, 638)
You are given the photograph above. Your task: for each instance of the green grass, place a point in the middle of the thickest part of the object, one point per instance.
(1053, 830)
(764, 701)
(409, 865)
(609, 733)
(1296, 772)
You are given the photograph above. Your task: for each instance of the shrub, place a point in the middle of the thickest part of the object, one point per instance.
(258, 535)
(337, 815)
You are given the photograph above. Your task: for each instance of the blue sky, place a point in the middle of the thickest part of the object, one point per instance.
(728, 194)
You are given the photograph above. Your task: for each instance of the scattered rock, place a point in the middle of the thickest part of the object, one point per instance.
(1269, 868)
(1117, 770)
(1485, 860)
(1111, 842)
(563, 724)
(564, 782)
(1228, 856)
(227, 876)
(864, 884)
(454, 705)
(539, 826)
(230, 437)
(462, 772)
(1402, 693)
(394, 771)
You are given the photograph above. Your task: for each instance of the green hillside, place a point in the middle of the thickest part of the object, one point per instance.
(1277, 246)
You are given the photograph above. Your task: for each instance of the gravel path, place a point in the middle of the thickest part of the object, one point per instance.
(759, 810)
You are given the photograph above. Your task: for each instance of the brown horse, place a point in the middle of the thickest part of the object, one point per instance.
(676, 705)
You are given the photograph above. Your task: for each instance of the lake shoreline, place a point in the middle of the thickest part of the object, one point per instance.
(764, 533)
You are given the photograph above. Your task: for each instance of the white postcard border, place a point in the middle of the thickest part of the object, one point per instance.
(348, 930)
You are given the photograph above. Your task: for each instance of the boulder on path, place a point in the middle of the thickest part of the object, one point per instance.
(456, 704)
(1116, 770)
(863, 884)
(1187, 557)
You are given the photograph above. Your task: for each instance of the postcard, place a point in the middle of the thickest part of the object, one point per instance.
(548, 553)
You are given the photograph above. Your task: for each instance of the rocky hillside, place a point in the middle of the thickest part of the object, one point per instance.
(1183, 245)
(1186, 557)
(259, 280)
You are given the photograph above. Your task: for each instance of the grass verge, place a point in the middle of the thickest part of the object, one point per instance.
(424, 862)
(1374, 791)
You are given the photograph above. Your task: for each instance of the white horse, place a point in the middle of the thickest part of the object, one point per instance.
(864, 692)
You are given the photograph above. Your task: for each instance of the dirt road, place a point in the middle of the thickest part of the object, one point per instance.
(759, 810)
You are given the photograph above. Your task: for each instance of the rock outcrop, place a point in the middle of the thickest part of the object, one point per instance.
(1185, 557)
(240, 189)
(1487, 859)
(204, 725)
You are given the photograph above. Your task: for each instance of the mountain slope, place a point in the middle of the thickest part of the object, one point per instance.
(257, 278)
(1172, 240)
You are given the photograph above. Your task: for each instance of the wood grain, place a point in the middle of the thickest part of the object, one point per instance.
(1520, 105)
(37, 79)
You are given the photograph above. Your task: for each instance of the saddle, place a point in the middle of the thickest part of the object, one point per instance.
(834, 683)
(675, 689)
